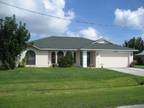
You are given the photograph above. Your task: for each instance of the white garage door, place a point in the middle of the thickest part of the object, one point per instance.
(114, 59)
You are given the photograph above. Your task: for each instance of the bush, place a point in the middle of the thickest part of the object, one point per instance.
(140, 81)
(54, 65)
(132, 64)
(139, 60)
(2, 68)
(22, 63)
(66, 61)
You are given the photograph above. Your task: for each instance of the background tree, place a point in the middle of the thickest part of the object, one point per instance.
(136, 43)
(13, 40)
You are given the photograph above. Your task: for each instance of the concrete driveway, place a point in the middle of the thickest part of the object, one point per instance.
(133, 71)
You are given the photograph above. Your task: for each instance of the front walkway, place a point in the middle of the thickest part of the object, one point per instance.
(132, 106)
(133, 71)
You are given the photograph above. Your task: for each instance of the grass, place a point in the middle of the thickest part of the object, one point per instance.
(139, 66)
(68, 88)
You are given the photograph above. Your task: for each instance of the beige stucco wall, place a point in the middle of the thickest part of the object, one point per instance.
(49, 58)
(93, 58)
(98, 58)
(130, 57)
(77, 58)
(43, 58)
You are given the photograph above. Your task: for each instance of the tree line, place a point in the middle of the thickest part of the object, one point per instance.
(135, 43)
(138, 44)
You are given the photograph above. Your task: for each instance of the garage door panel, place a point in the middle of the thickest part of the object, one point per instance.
(114, 59)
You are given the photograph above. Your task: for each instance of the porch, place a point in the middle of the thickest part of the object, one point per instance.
(81, 58)
(51, 58)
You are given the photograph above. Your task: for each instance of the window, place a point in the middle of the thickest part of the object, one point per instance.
(53, 57)
(81, 58)
(30, 57)
(88, 58)
(74, 57)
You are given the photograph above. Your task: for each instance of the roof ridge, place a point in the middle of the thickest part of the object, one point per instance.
(60, 37)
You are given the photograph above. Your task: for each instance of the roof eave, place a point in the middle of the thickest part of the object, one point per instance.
(70, 49)
(112, 49)
(45, 49)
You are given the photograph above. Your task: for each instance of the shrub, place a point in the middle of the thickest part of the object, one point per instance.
(22, 63)
(66, 61)
(54, 65)
(140, 81)
(2, 68)
(139, 60)
(132, 64)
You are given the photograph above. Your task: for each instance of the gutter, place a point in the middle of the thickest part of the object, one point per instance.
(110, 50)
(45, 49)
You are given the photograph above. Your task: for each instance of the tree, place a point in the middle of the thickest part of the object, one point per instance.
(136, 43)
(13, 40)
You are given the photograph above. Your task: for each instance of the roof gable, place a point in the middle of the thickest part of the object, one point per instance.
(102, 41)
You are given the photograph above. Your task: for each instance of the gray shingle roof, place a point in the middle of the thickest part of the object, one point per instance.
(54, 42)
(106, 46)
(61, 42)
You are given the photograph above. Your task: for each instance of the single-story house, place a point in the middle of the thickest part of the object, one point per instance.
(141, 55)
(87, 53)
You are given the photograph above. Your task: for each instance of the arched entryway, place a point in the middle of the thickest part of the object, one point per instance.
(30, 58)
(56, 56)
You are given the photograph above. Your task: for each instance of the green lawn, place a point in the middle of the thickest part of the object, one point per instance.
(68, 88)
(139, 66)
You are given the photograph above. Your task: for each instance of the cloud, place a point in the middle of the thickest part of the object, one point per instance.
(38, 24)
(128, 18)
(89, 33)
(43, 26)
